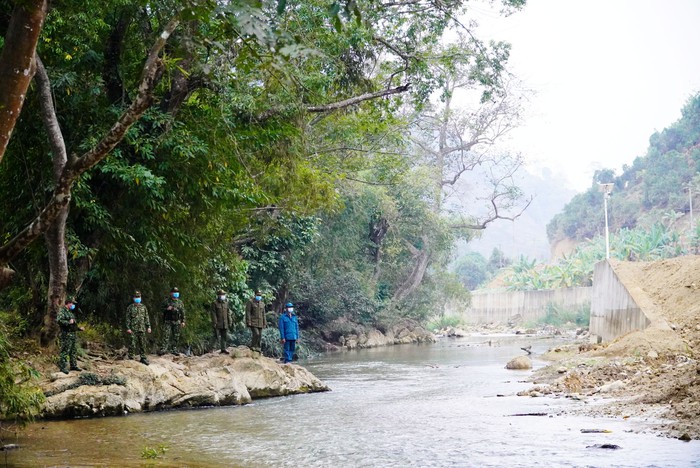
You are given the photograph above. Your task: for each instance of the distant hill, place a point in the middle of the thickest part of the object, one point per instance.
(655, 188)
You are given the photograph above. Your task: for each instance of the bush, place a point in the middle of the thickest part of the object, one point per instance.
(444, 322)
(558, 316)
(20, 398)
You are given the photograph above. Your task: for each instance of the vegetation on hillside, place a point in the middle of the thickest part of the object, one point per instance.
(576, 269)
(654, 188)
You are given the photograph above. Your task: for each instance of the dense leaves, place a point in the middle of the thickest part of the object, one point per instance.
(278, 151)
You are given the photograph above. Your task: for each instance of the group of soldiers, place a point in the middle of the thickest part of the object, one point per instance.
(138, 326)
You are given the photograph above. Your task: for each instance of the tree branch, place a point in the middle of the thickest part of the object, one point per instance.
(480, 225)
(358, 99)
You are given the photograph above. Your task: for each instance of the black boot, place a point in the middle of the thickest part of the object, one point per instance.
(75, 368)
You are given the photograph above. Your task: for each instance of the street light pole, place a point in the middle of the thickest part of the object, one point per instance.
(607, 233)
(607, 190)
(690, 202)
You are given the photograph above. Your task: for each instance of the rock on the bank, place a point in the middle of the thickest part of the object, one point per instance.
(176, 382)
(354, 336)
(520, 362)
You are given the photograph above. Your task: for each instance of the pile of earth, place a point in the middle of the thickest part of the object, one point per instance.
(651, 375)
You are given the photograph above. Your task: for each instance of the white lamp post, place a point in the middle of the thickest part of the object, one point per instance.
(607, 190)
(690, 202)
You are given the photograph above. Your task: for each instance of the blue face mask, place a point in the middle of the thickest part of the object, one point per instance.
(176, 295)
(71, 307)
(257, 298)
(290, 309)
(222, 298)
(137, 300)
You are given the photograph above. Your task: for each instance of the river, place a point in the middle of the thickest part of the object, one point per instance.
(410, 405)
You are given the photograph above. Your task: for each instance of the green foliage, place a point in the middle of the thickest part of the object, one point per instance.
(20, 397)
(472, 270)
(638, 244)
(233, 179)
(444, 322)
(558, 316)
(151, 453)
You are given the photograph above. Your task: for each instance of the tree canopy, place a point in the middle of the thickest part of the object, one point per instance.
(244, 144)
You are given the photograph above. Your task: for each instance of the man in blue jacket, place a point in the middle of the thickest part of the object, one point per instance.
(289, 331)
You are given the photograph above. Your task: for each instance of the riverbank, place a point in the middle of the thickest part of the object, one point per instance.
(341, 334)
(651, 375)
(115, 387)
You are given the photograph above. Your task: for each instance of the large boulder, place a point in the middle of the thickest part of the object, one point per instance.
(173, 382)
(519, 363)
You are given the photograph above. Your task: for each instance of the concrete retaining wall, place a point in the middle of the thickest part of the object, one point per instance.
(503, 306)
(614, 310)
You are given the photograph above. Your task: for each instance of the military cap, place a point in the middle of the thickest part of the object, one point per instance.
(137, 293)
(220, 291)
(289, 304)
(70, 300)
(258, 292)
(174, 290)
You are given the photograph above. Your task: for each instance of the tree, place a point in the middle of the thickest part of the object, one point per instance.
(17, 66)
(453, 142)
(472, 270)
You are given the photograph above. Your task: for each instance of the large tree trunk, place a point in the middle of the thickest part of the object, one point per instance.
(377, 230)
(58, 276)
(16, 63)
(55, 236)
(6, 276)
(420, 265)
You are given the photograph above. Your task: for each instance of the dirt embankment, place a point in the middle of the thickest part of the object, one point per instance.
(651, 375)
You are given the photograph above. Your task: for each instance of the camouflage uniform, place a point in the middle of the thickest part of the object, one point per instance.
(172, 321)
(220, 321)
(138, 322)
(68, 339)
(255, 320)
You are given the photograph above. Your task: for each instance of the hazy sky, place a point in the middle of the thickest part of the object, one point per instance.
(606, 73)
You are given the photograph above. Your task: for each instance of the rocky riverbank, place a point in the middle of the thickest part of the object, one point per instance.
(342, 334)
(116, 387)
(652, 375)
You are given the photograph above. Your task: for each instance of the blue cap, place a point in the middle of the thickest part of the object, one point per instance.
(289, 304)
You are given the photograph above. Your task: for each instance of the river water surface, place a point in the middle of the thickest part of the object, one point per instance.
(411, 405)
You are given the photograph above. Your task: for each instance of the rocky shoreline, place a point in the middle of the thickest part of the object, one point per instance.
(117, 387)
(111, 386)
(651, 376)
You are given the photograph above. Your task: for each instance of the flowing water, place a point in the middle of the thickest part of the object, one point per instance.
(411, 405)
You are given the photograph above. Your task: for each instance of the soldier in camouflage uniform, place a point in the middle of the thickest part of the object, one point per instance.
(173, 320)
(69, 328)
(137, 325)
(255, 319)
(220, 319)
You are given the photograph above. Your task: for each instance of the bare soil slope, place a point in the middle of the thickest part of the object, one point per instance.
(652, 374)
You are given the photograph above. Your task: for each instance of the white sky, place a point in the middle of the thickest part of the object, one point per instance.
(606, 73)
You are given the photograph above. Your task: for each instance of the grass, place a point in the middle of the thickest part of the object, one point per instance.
(444, 322)
(557, 316)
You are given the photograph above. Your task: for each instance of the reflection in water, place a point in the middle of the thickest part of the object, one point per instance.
(419, 405)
